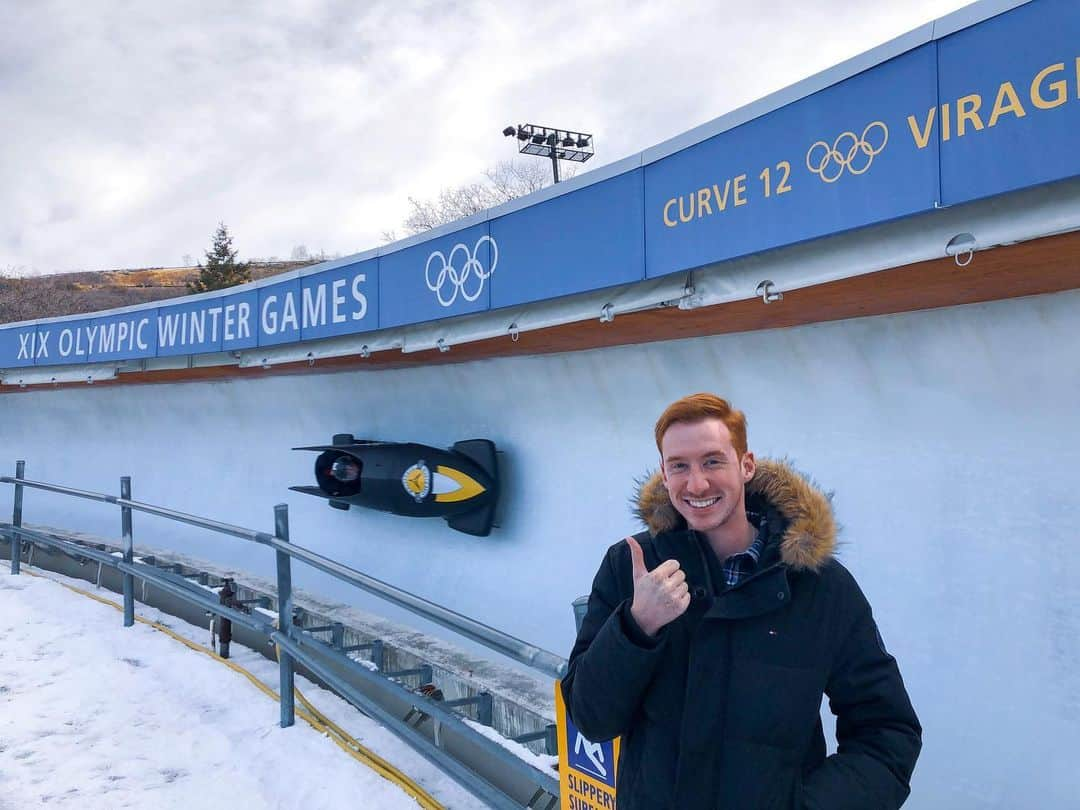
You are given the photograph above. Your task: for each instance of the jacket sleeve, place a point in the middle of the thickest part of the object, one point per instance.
(878, 735)
(613, 660)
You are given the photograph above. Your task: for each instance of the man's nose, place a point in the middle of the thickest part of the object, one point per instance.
(697, 481)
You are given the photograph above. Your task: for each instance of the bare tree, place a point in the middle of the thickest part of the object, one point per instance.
(507, 180)
(26, 298)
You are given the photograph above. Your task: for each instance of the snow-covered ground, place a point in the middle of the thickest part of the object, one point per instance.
(95, 715)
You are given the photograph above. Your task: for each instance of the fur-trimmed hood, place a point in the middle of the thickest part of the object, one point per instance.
(809, 539)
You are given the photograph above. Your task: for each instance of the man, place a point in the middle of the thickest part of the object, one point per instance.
(710, 639)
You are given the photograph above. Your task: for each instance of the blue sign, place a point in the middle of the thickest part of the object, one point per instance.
(239, 320)
(115, 337)
(832, 161)
(17, 347)
(445, 276)
(593, 759)
(984, 110)
(1009, 112)
(196, 327)
(280, 309)
(586, 240)
(340, 301)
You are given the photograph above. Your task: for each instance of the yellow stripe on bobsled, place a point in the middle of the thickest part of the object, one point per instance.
(468, 487)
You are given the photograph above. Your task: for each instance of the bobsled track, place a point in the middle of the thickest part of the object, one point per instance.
(919, 359)
(948, 437)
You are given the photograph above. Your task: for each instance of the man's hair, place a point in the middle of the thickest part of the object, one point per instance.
(699, 407)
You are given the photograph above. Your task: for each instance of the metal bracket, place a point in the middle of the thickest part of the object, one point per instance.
(483, 702)
(261, 601)
(691, 298)
(963, 244)
(607, 313)
(542, 800)
(768, 292)
(442, 346)
(378, 652)
(549, 735)
(515, 333)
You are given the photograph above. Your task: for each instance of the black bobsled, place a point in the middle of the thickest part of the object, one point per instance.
(460, 484)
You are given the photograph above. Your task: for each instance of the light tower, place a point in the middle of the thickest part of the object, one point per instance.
(552, 142)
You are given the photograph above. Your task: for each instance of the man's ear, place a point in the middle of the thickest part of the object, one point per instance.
(749, 466)
(663, 472)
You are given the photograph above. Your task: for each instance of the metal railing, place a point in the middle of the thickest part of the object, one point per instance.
(296, 646)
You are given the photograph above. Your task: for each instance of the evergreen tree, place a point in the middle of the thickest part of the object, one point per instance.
(221, 269)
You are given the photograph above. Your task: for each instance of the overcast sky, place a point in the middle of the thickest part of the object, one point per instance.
(133, 128)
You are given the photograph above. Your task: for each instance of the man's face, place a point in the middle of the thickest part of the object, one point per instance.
(703, 475)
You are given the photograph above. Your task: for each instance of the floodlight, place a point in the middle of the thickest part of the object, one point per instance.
(555, 144)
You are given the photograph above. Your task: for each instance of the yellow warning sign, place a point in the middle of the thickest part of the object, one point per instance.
(586, 769)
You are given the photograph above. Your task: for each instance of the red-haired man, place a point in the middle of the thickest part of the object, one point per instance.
(710, 639)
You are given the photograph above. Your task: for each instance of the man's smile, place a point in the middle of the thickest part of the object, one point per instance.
(703, 503)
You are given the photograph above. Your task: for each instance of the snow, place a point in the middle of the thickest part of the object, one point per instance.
(95, 715)
(514, 682)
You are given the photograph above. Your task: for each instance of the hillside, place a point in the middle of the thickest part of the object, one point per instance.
(24, 299)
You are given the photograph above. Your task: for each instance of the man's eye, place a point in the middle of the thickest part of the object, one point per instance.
(676, 467)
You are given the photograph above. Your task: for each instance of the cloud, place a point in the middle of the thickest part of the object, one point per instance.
(140, 126)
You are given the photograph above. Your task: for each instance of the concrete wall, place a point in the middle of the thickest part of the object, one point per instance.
(949, 438)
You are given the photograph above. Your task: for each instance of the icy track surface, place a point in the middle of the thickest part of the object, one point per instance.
(95, 715)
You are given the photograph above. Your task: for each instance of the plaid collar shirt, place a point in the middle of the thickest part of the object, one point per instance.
(739, 566)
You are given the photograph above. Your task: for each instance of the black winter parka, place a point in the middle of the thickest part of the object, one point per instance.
(722, 709)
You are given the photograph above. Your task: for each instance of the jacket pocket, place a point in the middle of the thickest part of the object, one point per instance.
(774, 705)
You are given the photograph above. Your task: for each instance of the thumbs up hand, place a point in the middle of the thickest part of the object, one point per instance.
(660, 595)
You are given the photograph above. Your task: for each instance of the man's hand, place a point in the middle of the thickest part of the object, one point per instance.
(660, 595)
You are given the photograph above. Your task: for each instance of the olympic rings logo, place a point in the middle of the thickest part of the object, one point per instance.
(849, 151)
(459, 281)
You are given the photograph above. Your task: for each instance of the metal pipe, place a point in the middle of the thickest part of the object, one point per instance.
(129, 552)
(77, 493)
(195, 520)
(540, 659)
(181, 517)
(522, 651)
(285, 607)
(509, 762)
(16, 518)
(463, 775)
(295, 649)
(147, 573)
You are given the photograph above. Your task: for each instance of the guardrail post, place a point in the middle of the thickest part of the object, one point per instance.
(378, 654)
(285, 608)
(129, 552)
(581, 607)
(551, 739)
(485, 709)
(16, 519)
